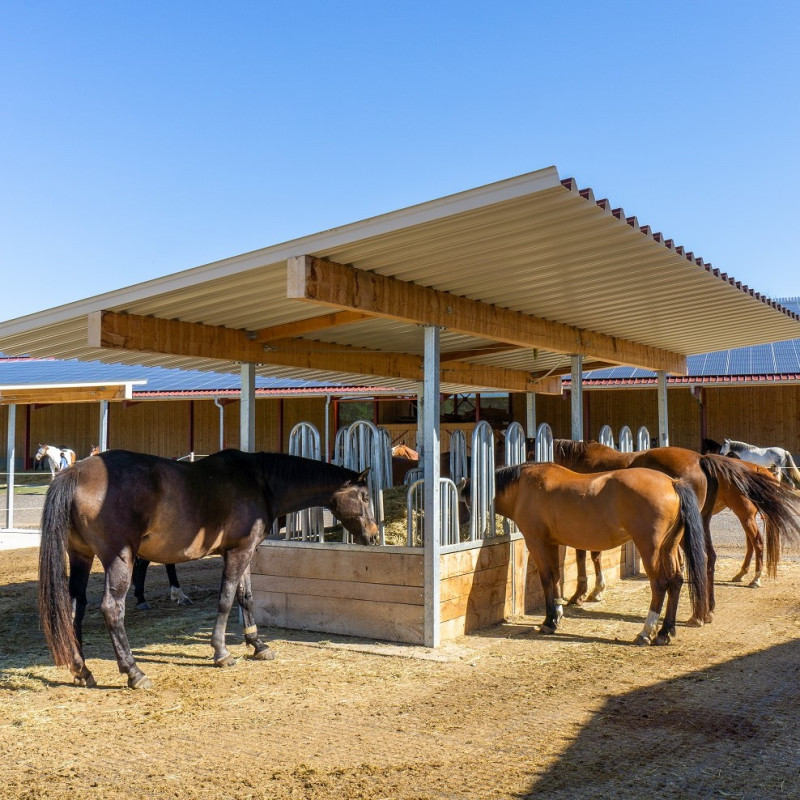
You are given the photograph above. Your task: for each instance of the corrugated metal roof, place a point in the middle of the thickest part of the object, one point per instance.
(533, 244)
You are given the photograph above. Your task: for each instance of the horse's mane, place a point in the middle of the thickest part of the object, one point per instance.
(570, 449)
(504, 477)
(741, 445)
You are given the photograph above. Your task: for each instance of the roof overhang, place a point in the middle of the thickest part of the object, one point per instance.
(23, 394)
(519, 275)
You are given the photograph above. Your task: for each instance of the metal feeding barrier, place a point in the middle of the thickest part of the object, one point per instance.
(308, 524)
(481, 520)
(625, 440)
(363, 445)
(606, 436)
(643, 439)
(515, 453)
(458, 456)
(543, 449)
(448, 519)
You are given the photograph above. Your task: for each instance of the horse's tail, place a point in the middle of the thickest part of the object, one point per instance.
(55, 605)
(694, 548)
(791, 468)
(777, 503)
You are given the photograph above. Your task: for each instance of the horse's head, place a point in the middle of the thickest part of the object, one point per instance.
(725, 448)
(41, 452)
(350, 503)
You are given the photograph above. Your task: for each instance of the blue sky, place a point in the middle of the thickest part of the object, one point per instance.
(139, 139)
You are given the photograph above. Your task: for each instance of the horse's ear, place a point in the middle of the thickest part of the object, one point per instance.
(362, 478)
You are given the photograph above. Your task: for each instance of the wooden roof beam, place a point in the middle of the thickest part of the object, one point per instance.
(108, 329)
(328, 283)
(304, 326)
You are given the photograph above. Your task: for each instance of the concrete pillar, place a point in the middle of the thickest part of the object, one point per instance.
(247, 409)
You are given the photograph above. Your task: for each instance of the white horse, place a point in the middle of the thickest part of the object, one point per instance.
(775, 459)
(58, 458)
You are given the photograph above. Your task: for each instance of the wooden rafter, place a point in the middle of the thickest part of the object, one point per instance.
(303, 326)
(107, 329)
(328, 283)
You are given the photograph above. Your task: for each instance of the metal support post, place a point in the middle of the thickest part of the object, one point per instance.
(102, 435)
(663, 411)
(576, 397)
(11, 450)
(430, 437)
(247, 409)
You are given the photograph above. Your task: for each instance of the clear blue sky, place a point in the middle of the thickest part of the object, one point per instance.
(138, 139)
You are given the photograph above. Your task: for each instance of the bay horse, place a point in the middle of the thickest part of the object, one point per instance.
(718, 482)
(776, 459)
(57, 458)
(140, 566)
(553, 506)
(119, 504)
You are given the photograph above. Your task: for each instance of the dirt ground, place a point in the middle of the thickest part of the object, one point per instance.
(504, 713)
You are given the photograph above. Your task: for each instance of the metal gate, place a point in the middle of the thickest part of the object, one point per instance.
(458, 456)
(544, 444)
(306, 525)
(481, 521)
(606, 436)
(448, 521)
(515, 453)
(625, 440)
(643, 439)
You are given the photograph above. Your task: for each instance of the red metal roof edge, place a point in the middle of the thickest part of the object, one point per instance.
(587, 194)
(687, 380)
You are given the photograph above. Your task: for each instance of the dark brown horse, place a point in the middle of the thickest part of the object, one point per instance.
(554, 506)
(717, 481)
(119, 504)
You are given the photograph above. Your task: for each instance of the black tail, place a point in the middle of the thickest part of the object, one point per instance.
(777, 503)
(55, 605)
(694, 548)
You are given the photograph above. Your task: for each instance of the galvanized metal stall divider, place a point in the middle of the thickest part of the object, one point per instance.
(643, 438)
(306, 525)
(364, 445)
(606, 436)
(481, 523)
(543, 449)
(515, 453)
(458, 456)
(625, 440)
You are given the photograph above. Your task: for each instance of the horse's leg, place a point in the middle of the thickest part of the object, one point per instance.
(117, 583)
(583, 584)
(545, 557)
(175, 591)
(244, 596)
(675, 582)
(79, 569)
(755, 544)
(140, 566)
(235, 564)
(599, 579)
(658, 588)
(711, 560)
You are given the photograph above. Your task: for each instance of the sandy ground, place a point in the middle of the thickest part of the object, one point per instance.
(504, 713)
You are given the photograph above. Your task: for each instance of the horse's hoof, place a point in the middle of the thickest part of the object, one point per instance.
(226, 661)
(145, 606)
(185, 601)
(264, 654)
(694, 622)
(595, 597)
(662, 639)
(576, 600)
(642, 640)
(140, 682)
(547, 630)
(755, 583)
(87, 681)
(737, 578)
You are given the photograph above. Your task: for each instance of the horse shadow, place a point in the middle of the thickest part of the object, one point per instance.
(732, 725)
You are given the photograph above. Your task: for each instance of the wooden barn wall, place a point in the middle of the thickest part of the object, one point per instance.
(766, 416)
(159, 428)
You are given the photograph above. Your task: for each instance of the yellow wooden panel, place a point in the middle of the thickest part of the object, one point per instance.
(354, 590)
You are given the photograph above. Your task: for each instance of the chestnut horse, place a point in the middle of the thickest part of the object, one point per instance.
(118, 504)
(718, 482)
(553, 506)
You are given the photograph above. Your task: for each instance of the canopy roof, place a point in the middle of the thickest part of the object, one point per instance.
(519, 274)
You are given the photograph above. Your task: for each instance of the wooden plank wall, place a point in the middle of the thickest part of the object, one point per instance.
(344, 589)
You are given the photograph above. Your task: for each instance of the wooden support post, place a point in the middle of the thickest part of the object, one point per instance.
(432, 503)
(663, 411)
(247, 409)
(576, 397)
